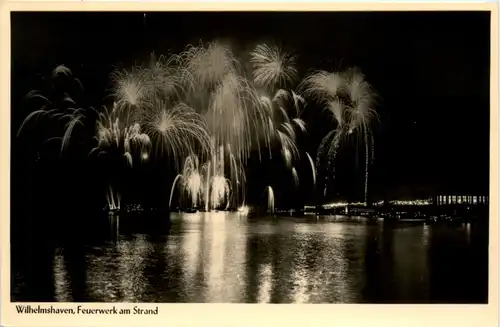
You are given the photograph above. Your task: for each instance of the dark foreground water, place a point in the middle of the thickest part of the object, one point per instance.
(224, 257)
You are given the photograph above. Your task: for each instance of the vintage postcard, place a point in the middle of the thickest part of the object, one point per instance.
(176, 164)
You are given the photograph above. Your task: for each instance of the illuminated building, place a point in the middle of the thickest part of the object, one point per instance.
(461, 199)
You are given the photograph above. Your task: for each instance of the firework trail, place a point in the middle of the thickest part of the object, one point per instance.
(217, 186)
(295, 176)
(274, 69)
(270, 199)
(231, 115)
(192, 179)
(283, 128)
(220, 190)
(218, 92)
(236, 119)
(174, 184)
(113, 198)
(60, 107)
(362, 114)
(203, 110)
(313, 169)
(349, 99)
(204, 184)
(115, 137)
(239, 118)
(236, 123)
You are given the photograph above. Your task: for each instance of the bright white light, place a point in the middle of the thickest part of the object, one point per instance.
(342, 204)
(243, 210)
(412, 202)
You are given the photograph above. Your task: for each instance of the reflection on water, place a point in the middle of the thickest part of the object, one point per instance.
(222, 257)
(61, 283)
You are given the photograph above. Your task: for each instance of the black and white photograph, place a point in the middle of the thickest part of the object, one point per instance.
(284, 157)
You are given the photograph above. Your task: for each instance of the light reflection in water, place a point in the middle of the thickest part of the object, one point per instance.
(214, 274)
(300, 292)
(131, 262)
(102, 275)
(234, 259)
(425, 235)
(221, 257)
(191, 253)
(410, 256)
(213, 247)
(338, 272)
(265, 284)
(61, 283)
(114, 271)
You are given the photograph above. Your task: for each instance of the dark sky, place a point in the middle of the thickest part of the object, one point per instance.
(430, 69)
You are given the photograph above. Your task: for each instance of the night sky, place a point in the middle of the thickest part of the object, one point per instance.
(431, 71)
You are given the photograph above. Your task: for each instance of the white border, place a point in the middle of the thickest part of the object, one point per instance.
(240, 314)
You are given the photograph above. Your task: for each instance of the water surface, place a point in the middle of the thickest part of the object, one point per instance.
(225, 257)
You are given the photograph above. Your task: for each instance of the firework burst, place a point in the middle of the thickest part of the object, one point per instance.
(270, 199)
(176, 131)
(132, 91)
(349, 99)
(192, 179)
(362, 114)
(272, 67)
(61, 108)
(323, 86)
(283, 128)
(204, 184)
(209, 65)
(167, 78)
(116, 137)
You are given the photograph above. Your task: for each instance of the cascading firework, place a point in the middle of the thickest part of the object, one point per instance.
(270, 199)
(349, 99)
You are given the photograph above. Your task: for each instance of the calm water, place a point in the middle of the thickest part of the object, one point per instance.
(223, 257)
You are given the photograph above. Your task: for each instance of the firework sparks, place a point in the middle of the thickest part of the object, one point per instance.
(272, 67)
(313, 169)
(114, 199)
(176, 131)
(220, 190)
(75, 117)
(131, 88)
(61, 70)
(60, 108)
(281, 126)
(350, 101)
(295, 176)
(174, 184)
(323, 86)
(113, 136)
(270, 199)
(203, 108)
(209, 65)
(192, 179)
(362, 114)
